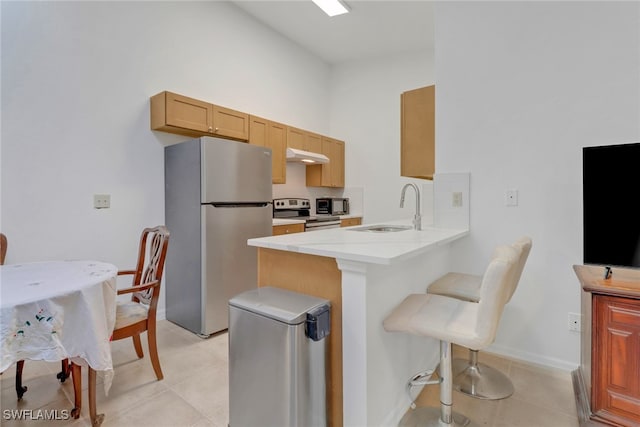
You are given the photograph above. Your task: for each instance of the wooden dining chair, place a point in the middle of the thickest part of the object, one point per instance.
(139, 314)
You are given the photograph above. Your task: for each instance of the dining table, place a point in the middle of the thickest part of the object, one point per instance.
(58, 310)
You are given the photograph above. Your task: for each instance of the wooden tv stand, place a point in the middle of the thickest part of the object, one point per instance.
(607, 382)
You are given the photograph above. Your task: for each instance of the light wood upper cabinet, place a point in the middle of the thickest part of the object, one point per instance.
(182, 115)
(230, 123)
(296, 138)
(313, 142)
(267, 133)
(179, 114)
(304, 140)
(417, 134)
(329, 174)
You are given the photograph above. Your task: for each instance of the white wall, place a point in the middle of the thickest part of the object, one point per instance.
(365, 112)
(76, 82)
(521, 88)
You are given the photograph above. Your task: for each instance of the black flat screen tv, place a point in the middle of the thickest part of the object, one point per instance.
(611, 195)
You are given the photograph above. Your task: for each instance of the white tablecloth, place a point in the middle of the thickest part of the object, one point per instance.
(59, 309)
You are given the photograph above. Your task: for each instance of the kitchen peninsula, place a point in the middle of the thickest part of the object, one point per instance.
(364, 274)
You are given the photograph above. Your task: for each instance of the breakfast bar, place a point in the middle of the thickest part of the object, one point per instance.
(365, 271)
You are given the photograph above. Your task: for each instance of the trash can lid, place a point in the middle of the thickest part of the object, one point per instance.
(278, 304)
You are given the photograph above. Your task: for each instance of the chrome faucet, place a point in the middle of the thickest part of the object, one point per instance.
(417, 219)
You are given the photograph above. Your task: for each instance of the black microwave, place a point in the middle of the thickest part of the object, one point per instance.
(332, 206)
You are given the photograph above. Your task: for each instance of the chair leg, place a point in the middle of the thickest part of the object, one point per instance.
(480, 380)
(137, 344)
(20, 390)
(96, 419)
(444, 415)
(65, 371)
(153, 352)
(76, 374)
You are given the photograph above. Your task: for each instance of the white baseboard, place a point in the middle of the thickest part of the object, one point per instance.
(527, 357)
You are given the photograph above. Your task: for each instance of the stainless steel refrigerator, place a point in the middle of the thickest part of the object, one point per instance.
(217, 195)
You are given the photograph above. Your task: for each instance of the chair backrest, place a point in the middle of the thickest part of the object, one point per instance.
(150, 267)
(495, 293)
(3, 248)
(523, 244)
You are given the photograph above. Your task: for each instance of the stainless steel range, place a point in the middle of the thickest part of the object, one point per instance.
(300, 209)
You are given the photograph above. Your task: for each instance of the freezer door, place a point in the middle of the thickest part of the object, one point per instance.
(235, 171)
(229, 265)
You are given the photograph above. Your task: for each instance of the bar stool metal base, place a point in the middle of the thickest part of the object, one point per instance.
(430, 417)
(480, 381)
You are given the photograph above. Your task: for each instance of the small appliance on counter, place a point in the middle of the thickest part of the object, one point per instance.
(299, 209)
(332, 206)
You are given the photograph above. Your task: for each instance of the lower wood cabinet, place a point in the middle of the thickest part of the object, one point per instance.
(349, 222)
(279, 230)
(607, 382)
(616, 359)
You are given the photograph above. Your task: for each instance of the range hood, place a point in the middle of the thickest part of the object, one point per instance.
(307, 157)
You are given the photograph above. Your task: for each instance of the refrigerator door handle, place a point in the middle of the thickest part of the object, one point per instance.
(238, 205)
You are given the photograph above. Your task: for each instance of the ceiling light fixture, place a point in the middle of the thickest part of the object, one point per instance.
(332, 7)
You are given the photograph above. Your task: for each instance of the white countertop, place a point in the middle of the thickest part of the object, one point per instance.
(363, 246)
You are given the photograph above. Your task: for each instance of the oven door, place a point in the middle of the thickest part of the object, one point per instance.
(322, 225)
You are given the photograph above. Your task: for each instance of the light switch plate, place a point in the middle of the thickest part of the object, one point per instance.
(456, 199)
(101, 201)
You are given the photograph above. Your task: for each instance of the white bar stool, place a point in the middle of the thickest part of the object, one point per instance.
(467, 323)
(470, 377)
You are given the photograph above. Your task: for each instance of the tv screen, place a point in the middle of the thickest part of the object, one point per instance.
(611, 193)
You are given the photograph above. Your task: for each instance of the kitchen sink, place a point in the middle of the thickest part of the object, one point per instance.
(382, 228)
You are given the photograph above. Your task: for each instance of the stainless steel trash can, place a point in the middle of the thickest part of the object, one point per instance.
(277, 359)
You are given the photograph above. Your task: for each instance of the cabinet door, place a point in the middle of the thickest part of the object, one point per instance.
(296, 138)
(266, 133)
(350, 222)
(417, 133)
(230, 123)
(313, 142)
(329, 174)
(279, 230)
(277, 141)
(188, 113)
(615, 360)
(337, 170)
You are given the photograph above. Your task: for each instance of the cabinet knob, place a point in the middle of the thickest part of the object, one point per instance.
(216, 130)
(210, 129)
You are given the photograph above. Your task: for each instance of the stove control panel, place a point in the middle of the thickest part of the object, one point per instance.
(291, 204)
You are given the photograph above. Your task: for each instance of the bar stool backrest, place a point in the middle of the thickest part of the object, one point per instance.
(495, 292)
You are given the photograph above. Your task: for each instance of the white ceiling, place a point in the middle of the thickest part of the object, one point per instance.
(372, 28)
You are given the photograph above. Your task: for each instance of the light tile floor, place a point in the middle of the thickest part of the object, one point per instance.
(194, 391)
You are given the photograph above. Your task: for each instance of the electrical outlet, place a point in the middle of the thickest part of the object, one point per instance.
(511, 198)
(456, 199)
(574, 322)
(101, 201)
